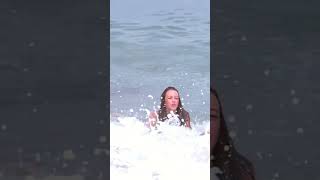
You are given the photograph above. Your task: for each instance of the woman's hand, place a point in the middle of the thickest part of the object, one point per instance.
(152, 119)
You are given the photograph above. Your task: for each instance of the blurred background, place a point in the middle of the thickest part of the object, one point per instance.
(265, 66)
(53, 74)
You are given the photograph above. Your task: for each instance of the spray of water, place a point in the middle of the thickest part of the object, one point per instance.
(168, 153)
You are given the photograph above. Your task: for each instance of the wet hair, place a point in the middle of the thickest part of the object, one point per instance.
(163, 110)
(233, 165)
(219, 151)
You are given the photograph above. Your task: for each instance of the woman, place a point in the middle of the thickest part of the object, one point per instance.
(171, 110)
(224, 156)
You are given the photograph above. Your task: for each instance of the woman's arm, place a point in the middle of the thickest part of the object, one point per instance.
(152, 121)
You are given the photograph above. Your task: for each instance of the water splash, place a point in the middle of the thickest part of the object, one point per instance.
(138, 153)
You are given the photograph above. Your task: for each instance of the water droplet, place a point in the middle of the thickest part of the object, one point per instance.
(150, 96)
(216, 170)
(243, 38)
(29, 94)
(100, 176)
(31, 44)
(300, 130)
(292, 92)
(64, 165)
(4, 127)
(232, 134)
(102, 139)
(226, 76)
(250, 132)
(249, 107)
(131, 110)
(35, 110)
(97, 151)
(295, 100)
(231, 118)
(276, 175)
(203, 102)
(226, 148)
(267, 72)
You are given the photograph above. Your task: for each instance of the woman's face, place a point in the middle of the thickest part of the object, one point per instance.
(171, 100)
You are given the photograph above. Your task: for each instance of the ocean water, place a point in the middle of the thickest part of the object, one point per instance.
(159, 49)
(152, 46)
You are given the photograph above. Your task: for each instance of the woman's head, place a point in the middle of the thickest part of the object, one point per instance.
(170, 100)
(220, 137)
(229, 160)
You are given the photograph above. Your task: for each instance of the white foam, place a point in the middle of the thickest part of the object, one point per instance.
(176, 152)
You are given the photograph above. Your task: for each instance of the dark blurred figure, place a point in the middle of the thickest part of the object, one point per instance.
(230, 163)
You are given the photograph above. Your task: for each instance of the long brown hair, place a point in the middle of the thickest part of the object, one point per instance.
(224, 140)
(234, 166)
